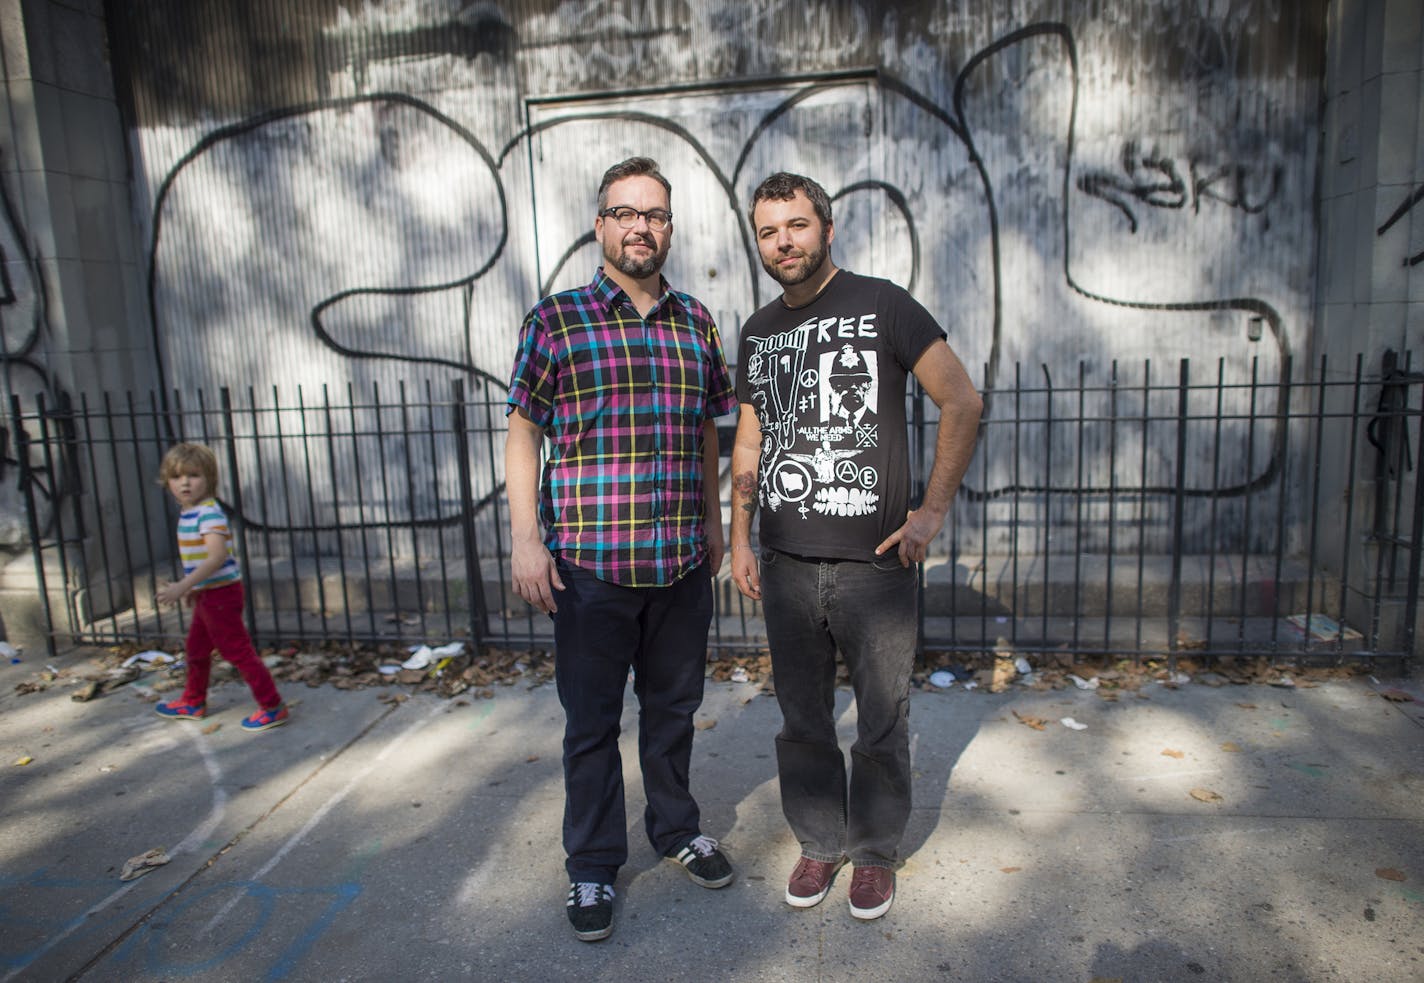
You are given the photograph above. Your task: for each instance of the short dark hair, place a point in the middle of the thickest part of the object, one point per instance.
(782, 186)
(632, 167)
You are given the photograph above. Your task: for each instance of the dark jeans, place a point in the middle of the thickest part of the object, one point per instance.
(868, 611)
(600, 630)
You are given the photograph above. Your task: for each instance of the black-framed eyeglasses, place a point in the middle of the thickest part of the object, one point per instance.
(627, 216)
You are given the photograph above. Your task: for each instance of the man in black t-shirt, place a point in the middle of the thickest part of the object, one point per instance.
(821, 447)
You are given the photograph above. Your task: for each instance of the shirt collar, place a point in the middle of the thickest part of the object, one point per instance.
(607, 292)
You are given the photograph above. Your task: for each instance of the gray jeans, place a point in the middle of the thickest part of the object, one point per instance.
(869, 612)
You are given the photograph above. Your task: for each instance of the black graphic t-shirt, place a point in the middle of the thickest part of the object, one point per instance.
(828, 383)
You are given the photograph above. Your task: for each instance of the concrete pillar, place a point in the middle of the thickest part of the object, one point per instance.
(72, 299)
(1370, 273)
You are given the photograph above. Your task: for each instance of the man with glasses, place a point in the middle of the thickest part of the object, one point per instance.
(621, 539)
(821, 447)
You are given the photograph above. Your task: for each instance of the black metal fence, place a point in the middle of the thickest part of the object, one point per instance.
(1130, 511)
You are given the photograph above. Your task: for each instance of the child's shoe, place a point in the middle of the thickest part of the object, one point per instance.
(265, 719)
(181, 710)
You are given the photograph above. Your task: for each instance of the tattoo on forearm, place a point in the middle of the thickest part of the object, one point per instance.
(744, 487)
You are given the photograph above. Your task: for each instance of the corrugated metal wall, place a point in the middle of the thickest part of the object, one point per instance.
(365, 193)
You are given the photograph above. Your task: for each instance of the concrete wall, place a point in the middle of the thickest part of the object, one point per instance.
(372, 193)
(72, 310)
(1370, 280)
(324, 192)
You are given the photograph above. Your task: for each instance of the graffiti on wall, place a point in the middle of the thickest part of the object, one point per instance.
(1147, 179)
(23, 325)
(397, 225)
(1410, 202)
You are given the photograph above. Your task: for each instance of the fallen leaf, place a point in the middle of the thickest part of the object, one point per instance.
(23, 761)
(136, 867)
(1389, 874)
(1204, 795)
(705, 724)
(213, 727)
(1247, 706)
(1397, 696)
(1037, 723)
(1231, 746)
(1010, 870)
(531, 759)
(1169, 752)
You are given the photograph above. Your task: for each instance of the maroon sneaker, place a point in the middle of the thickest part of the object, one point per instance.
(810, 881)
(871, 891)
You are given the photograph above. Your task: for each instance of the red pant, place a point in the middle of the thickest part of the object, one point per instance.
(217, 623)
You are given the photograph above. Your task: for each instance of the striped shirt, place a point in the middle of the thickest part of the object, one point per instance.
(201, 520)
(623, 400)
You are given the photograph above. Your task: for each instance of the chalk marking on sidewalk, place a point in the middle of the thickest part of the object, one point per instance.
(139, 922)
(200, 833)
(324, 809)
(203, 830)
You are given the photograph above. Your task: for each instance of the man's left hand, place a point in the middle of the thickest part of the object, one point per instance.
(914, 537)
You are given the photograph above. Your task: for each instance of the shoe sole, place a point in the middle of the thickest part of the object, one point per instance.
(796, 901)
(869, 914)
(181, 716)
(253, 730)
(595, 935)
(702, 881)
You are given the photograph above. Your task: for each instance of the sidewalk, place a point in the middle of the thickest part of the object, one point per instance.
(420, 841)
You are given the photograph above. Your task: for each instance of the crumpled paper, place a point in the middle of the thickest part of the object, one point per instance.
(422, 655)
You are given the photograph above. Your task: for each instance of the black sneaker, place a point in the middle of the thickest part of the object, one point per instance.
(590, 909)
(705, 864)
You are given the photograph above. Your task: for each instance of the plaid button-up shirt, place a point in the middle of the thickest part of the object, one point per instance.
(623, 399)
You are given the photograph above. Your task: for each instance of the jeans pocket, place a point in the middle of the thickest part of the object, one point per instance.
(889, 563)
(767, 555)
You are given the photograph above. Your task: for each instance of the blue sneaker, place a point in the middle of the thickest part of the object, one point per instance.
(181, 710)
(266, 719)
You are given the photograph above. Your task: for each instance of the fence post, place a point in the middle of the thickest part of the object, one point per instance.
(474, 582)
(22, 455)
(239, 524)
(1174, 595)
(1416, 537)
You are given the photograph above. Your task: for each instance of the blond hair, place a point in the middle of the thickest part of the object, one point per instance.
(186, 458)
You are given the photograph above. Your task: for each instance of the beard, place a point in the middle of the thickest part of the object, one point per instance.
(807, 268)
(617, 254)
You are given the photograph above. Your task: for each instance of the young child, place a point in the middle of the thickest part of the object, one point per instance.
(213, 584)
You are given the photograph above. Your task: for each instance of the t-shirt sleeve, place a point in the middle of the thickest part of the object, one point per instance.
(744, 351)
(915, 328)
(213, 521)
(532, 383)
